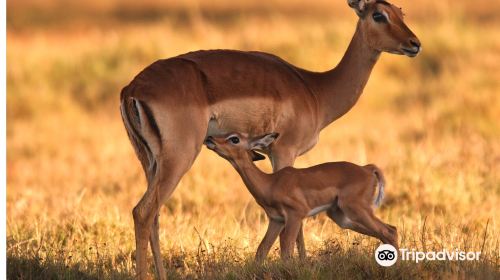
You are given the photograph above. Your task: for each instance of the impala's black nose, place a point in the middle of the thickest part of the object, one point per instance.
(412, 48)
(415, 43)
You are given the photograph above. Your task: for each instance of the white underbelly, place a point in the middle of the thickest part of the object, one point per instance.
(311, 213)
(276, 218)
(319, 209)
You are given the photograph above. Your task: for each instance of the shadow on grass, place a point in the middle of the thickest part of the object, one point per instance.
(330, 262)
(23, 268)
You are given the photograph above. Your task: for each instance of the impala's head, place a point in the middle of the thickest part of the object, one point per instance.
(236, 146)
(383, 27)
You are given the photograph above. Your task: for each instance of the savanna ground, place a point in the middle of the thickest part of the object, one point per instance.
(431, 123)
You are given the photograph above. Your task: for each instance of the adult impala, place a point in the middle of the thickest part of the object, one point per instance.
(174, 104)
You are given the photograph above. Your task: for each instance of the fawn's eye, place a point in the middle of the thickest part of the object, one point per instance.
(379, 17)
(234, 140)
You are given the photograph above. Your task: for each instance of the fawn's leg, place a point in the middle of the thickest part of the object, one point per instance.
(390, 232)
(301, 247)
(288, 235)
(273, 230)
(338, 216)
(363, 215)
(281, 158)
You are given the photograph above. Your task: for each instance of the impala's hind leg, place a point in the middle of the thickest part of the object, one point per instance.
(177, 154)
(363, 216)
(338, 216)
(154, 240)
(170, 171)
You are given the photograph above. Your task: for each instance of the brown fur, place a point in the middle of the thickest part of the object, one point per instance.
(290, 194)
(205, 93)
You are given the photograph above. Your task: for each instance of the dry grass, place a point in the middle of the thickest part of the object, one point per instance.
(431, 123)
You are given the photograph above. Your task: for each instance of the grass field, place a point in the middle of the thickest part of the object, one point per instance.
(432, 123)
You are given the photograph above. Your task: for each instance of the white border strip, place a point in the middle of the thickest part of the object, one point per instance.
(3, 142)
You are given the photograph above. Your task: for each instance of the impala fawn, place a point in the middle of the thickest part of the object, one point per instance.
(342, 189)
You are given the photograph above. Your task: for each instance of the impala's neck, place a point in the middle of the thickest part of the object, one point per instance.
(339, 89)
(256, 181)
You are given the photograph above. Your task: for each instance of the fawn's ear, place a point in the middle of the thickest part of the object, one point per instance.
(359, 6)
(261, 143)
(256, 156)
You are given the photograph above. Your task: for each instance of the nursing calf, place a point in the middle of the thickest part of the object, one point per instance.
(344, 190)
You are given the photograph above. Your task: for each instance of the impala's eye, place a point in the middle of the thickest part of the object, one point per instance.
(234, 140)
(379, 17)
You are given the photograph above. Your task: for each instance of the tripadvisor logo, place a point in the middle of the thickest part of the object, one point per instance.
(387, 255)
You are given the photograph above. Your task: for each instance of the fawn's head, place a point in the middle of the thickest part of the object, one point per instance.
(236, 146)
(383, 27)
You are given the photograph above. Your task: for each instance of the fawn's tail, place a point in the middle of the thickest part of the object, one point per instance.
(380, 182)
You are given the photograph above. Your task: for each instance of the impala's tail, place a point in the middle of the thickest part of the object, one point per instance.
(380, 183)
(142, 131)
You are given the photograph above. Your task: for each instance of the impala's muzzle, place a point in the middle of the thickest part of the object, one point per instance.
(413, 48)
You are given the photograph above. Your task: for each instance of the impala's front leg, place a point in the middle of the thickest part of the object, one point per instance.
(281, 158)
(272, 233)
(301, 246)
(289, 234)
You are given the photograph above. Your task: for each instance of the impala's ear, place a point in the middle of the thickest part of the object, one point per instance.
(256, 156)
(261, 143)
(359, 6)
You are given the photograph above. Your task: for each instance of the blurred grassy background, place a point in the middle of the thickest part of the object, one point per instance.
(431, 123)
